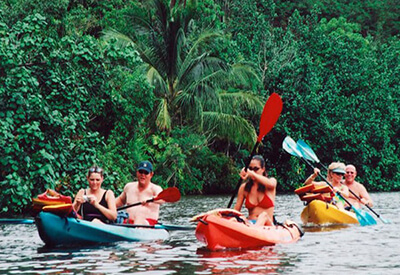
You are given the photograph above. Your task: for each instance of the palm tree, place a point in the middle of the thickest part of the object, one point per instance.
(190, 83)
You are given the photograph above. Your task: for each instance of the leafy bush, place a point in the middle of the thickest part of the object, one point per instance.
(52, 89)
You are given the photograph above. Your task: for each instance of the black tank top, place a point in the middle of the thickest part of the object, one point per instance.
(89, 212)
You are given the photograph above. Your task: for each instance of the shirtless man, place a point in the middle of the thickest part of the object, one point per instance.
(141, 191)
(356, 187)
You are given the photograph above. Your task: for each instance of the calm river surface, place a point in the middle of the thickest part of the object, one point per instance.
(350, 250)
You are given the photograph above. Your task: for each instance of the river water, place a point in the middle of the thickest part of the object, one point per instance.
(331, 250)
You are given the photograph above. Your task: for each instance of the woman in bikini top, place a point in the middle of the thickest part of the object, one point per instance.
(257, 192)
(266, 203)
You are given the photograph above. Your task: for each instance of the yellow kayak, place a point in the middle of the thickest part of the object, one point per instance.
(322, 213)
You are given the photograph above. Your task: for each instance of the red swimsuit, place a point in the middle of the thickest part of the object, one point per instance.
(265, 203)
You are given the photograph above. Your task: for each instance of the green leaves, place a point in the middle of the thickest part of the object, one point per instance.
(186, 74)
(333, 95)
(177, 82)
(45, 131)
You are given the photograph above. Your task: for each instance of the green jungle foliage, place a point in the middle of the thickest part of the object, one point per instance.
(183, 83)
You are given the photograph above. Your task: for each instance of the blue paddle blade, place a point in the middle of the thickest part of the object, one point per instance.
(385, 220)
(290, 146)
(363, 217)
(17, 221)
(306, 151)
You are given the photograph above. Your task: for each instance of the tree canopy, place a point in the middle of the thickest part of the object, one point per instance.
(183, 83)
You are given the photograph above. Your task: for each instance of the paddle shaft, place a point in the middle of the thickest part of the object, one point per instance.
(292, 146)
(355, 195)
(134, 204)
(337, 192)
(305, 148)
(269, 116)
(158, 226)
(240, 179)
(171, 194)
(310, 153)
(372, 210)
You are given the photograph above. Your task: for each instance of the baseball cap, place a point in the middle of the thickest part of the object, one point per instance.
(145, 165)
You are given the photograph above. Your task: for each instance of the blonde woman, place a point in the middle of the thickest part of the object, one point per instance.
(336, 171)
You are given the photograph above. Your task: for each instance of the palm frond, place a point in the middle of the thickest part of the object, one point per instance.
(243, 74)
(230, 127)
(121, 39)
(180, 42)
(204, 70)
(163, 119)
(236, 102)
(187, 79)
(190, 108)
(156, 80)
(207, 37)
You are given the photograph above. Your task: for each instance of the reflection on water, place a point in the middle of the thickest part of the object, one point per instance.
(320, 228)
(329, 249)
(261, 261)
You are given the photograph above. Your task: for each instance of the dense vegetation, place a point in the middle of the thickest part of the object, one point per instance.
(183, 83)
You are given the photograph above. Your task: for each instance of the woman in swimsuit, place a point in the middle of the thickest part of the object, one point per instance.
(336, 171)
(96, 203)
(258, 192)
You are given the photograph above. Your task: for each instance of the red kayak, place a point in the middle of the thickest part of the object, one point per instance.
(227, 228)
(48, 198)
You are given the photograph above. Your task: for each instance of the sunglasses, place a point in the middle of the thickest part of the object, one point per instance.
(350, 173)
(255, 169)
(339, 174)
(144, 172)
(95, 170)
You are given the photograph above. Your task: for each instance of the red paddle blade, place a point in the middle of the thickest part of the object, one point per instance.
(170, 194)
(271, 112)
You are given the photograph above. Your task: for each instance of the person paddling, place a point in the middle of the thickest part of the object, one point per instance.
(357, 188)
(336, 171)
(257, 192)
(140, 191)
(95, 203)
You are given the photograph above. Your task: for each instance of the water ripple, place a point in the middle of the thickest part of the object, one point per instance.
(329, 250)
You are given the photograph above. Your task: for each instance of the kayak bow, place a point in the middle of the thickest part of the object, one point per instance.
(55, 230)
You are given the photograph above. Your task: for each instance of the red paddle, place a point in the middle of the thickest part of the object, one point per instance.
(270, 114)
(170, 194)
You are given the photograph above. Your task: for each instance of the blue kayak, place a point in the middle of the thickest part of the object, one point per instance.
(55, 230)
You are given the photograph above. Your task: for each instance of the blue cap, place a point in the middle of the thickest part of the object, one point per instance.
(145, 165)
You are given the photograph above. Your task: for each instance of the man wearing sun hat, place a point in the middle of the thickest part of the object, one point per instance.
(141, 191)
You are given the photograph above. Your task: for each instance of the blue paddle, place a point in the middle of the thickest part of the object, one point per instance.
(308, 153)
(290, 146)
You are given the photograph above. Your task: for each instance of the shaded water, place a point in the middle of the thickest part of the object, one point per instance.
(353, 249)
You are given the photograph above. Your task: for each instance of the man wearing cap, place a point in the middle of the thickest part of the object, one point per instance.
(356, 187)
(141, 191)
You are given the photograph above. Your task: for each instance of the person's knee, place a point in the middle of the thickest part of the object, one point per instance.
(264, 219)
